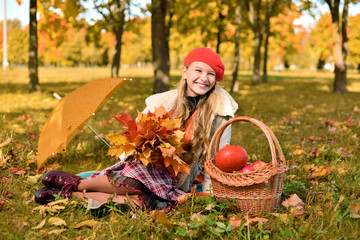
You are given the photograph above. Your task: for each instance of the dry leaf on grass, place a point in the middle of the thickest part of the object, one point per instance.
(159, 216)
(87, 223)
(6, 142)
(40, 224)
(197, 216)
(33, 179)
(282, 216)
(319, 172)
(56, 231)
(295, 203)
(183, 198)
(254, 221)
(56, 221)
(235, 221)
(355, 210)
(17, 170)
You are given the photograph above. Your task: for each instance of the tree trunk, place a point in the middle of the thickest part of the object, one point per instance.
(267, 26)
(160, 46)
(220, 28)
(118, 30)
(340, 67)
(255, 25)
(255, 79)
(33, 49)
(235, 83)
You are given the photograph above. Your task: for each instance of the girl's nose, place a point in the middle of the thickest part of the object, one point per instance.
(204, 76)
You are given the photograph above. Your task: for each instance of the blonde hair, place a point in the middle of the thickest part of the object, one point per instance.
(203, 120)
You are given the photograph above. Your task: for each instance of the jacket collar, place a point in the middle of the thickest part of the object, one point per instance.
(226, 107)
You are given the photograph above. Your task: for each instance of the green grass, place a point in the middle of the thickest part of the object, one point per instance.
(314, 126)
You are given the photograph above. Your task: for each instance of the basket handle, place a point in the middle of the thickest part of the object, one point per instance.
(268, 133)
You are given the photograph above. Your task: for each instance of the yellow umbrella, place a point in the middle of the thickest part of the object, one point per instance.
(70, 114)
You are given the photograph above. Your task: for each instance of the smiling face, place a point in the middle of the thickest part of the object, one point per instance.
(200, 78)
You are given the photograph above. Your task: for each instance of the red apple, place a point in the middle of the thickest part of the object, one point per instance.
(258, 164)
(247, 169)
(231, 158)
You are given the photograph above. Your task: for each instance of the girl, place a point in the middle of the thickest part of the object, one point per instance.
(203, 107)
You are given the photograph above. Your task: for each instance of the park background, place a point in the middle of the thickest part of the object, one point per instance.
(292, 91)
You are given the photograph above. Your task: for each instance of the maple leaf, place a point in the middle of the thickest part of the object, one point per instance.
(126, 120)
(117, 139)
(151, 132)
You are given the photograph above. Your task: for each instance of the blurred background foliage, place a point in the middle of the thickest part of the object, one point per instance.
(68, 38)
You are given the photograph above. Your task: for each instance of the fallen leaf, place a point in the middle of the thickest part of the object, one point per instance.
(183, 198)
(295, 203)
(298, 151)
(341, 171)
(9, 194)
(98, 167)
(332, 130)
(254, 221)
(56, 231)
(21, 224)
(159, 216)
(235, 221)
(341, 199)
(319, 172)
(33, 179)
(355, 210)
(193, 189)
(308, 167)
(87, 223)
(198, 216)
(2, 203)
(318, 211)
(6, 142)
(17, 170)
(40, 224)
(56, 221)
(58, 202)
(282, 216)
(209, 207)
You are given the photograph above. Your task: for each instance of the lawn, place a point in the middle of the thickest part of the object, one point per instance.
(318, 130)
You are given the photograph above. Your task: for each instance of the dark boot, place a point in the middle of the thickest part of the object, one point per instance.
(46, 195)
(61, 180)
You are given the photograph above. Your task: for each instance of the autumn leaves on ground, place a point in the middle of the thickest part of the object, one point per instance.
(318, 130)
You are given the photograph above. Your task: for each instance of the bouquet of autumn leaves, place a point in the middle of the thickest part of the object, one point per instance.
(151, 134)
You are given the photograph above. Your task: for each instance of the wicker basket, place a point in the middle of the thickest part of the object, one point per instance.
(255, 192)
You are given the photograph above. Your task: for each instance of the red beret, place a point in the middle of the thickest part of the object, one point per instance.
(208, 56)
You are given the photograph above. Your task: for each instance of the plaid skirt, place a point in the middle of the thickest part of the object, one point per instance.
(157, 189)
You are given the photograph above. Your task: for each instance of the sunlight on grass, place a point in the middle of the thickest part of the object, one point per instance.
(354, 87)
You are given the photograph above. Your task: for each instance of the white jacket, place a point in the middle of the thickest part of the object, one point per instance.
(224, 110)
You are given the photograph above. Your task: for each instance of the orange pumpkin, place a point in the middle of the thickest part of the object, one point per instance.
(231, 158)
